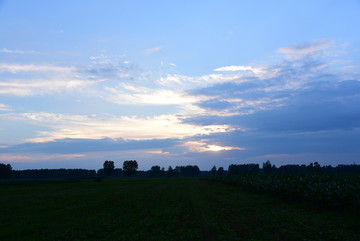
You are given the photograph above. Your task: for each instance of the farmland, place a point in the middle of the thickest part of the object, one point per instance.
(161, 209)
(341, 192)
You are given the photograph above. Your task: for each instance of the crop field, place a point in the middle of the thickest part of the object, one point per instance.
(340, 192)
(161, 209)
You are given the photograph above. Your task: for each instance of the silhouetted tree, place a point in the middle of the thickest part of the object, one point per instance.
(162, 172)
(5, 170)
(314, 168)
(220, 171)
(155, 171)
(54, 173)
(187, 171)
(213, 171)
(267, 167)
(317, 167)
(292, 169)
(170, 172)
(109, 167)
(130, 167)
(243, 169)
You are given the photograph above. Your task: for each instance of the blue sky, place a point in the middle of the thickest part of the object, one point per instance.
(179, 82)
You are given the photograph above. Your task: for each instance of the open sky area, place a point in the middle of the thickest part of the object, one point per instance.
(179, 82)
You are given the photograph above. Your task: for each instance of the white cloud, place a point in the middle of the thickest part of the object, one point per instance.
(16, 51)
(14, 68)
(36, 87)
(185, 82)
(127, 94)
(4, 107)
(235, 68)
(125, 127)
(42, 79)
(152, 50)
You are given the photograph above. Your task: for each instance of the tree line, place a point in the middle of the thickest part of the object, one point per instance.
(130, 169)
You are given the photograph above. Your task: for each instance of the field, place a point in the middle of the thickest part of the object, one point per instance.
(161, 209)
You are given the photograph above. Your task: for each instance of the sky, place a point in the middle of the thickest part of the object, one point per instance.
(179, 83)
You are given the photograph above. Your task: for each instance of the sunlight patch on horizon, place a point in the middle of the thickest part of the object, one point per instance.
(202, 146)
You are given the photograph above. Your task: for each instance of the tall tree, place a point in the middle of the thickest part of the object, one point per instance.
(5, 170)
(109, 167)
(130, 167)
(213, 171)
(221, 171)
(155, 171)
(267, 167)
(170, 172)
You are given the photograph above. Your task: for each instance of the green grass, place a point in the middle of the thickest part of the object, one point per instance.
(160, 209)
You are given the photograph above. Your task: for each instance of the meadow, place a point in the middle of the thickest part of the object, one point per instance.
(161, 209)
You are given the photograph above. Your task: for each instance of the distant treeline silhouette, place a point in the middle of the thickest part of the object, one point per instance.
(53, 173)
(130, 170)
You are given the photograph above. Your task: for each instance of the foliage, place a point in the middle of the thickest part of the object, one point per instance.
(155, 171)
(243, 169)
(109, 167)
(187, 171)
(170, 172)
(130, 167)
(268, 168)
(5, 170)
(220, 171)
(334, 191)
(213, 171)
(53, 173)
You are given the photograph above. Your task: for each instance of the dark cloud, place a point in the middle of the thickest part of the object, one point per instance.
(307, 111)
(70, 146)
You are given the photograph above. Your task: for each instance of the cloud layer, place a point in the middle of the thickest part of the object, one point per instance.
(303, 106)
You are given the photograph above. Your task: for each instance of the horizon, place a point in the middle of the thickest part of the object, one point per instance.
(179, 83)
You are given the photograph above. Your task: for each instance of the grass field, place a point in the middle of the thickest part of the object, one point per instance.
(160, 209)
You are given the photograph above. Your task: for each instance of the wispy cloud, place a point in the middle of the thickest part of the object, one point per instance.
(132, 128)
(16, 51)
(298, 50)
(36, 87)
(152, 50)
(126, 94)
(14, 68)
(36, 157)
(4, 107)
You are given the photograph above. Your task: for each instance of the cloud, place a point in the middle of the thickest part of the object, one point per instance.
(304, 105)
(71, 146)
(15, 68)
(189, 83)
(37, 157)
(124, 127)
(126, 94)
(317, 107)
(298, 50)
(43, 79)
(307, 100)
(4, 107)
(16, 51)
(152, 50)
(36, 87)
(233, 68)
